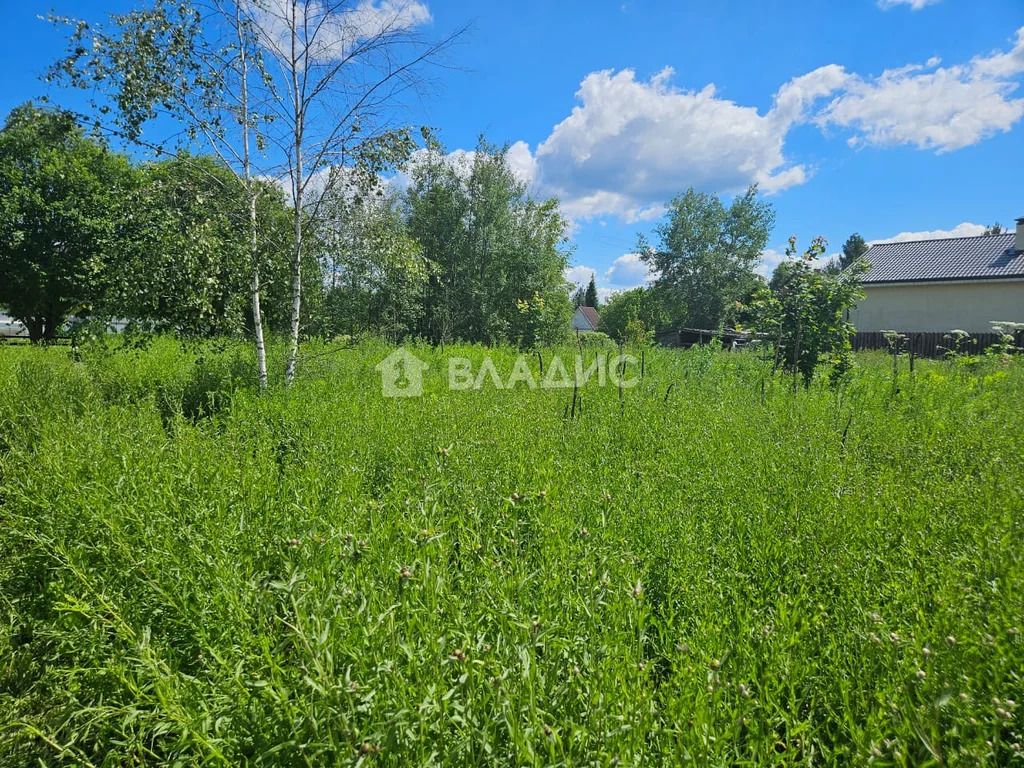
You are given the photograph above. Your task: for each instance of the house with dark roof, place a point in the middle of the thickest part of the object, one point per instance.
(585, 319)
(964, 283)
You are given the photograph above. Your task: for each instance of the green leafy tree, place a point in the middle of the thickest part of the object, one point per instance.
(374, 272)
(590, 298)
(323, 75)
(61, 206)
(493, 246)
(198, 64)
(637, 311)
(853, 249)
(707, 254)
(804, 310)
(187, 263)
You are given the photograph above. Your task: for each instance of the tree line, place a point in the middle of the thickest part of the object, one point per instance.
(287, 200)
(87, 235)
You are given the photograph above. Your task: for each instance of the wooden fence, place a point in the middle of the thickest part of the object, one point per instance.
(932, 344)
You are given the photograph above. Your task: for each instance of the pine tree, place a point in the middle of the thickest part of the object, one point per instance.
(853, 249)
(590, 299)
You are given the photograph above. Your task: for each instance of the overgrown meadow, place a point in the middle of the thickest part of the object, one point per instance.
(714, 568)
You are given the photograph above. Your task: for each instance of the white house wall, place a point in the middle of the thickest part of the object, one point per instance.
(924, 307)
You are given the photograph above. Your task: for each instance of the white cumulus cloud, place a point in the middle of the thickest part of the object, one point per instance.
(628, 271)
(966, 229)
(929, 106)
(580, 275)
(328, 33)
(630, 144)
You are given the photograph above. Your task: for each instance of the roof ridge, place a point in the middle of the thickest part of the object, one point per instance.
(936, 239)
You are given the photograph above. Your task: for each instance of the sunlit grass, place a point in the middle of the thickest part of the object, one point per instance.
(711, 568)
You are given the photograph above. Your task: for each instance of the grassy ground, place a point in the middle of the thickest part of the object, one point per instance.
(726, 571)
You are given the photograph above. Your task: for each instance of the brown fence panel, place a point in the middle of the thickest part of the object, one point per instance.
(931, 344)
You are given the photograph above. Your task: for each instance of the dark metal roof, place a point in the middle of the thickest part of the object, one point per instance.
(956, 258)
(592, 317)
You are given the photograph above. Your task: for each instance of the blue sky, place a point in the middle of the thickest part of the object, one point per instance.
(879, 116)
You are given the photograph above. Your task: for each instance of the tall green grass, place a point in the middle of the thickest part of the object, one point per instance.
(712, 569)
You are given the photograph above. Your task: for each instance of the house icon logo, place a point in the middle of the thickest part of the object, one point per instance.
(401, 374)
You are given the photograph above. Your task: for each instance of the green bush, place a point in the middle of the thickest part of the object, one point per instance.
(595, 339)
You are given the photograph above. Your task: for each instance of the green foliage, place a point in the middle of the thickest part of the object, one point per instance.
(707, 254)
(638, 312)
(1008, 333)
(853, 249)
(724, 575)
(187, 262)
(492, 245)
(374, 272)
(590, 297)
(62, 201)
(595, 339)
(803, 312)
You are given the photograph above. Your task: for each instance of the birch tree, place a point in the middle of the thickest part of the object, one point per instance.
(339, 69)
(197, 64)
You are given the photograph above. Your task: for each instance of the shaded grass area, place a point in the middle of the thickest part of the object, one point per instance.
(730, 573)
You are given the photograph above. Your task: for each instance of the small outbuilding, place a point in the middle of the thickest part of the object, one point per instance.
(585, 319)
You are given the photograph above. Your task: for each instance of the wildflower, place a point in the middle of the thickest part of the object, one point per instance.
(682, 647)
(893, 637)
(873, 637)
(640, 667)
(294, 542)
(584, 533)
(607, 496)
(950, 640)
(547, 730)
(515, 497)
(926, 651)
(459, 654)
(405, 573)
(876, 618)
(744, 691)
(964, 697)
(921, 674)
(638, 590)
(715, 664)
(542, 494)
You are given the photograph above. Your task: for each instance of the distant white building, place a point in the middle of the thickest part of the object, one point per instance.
(585, 319)
(963, 283)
